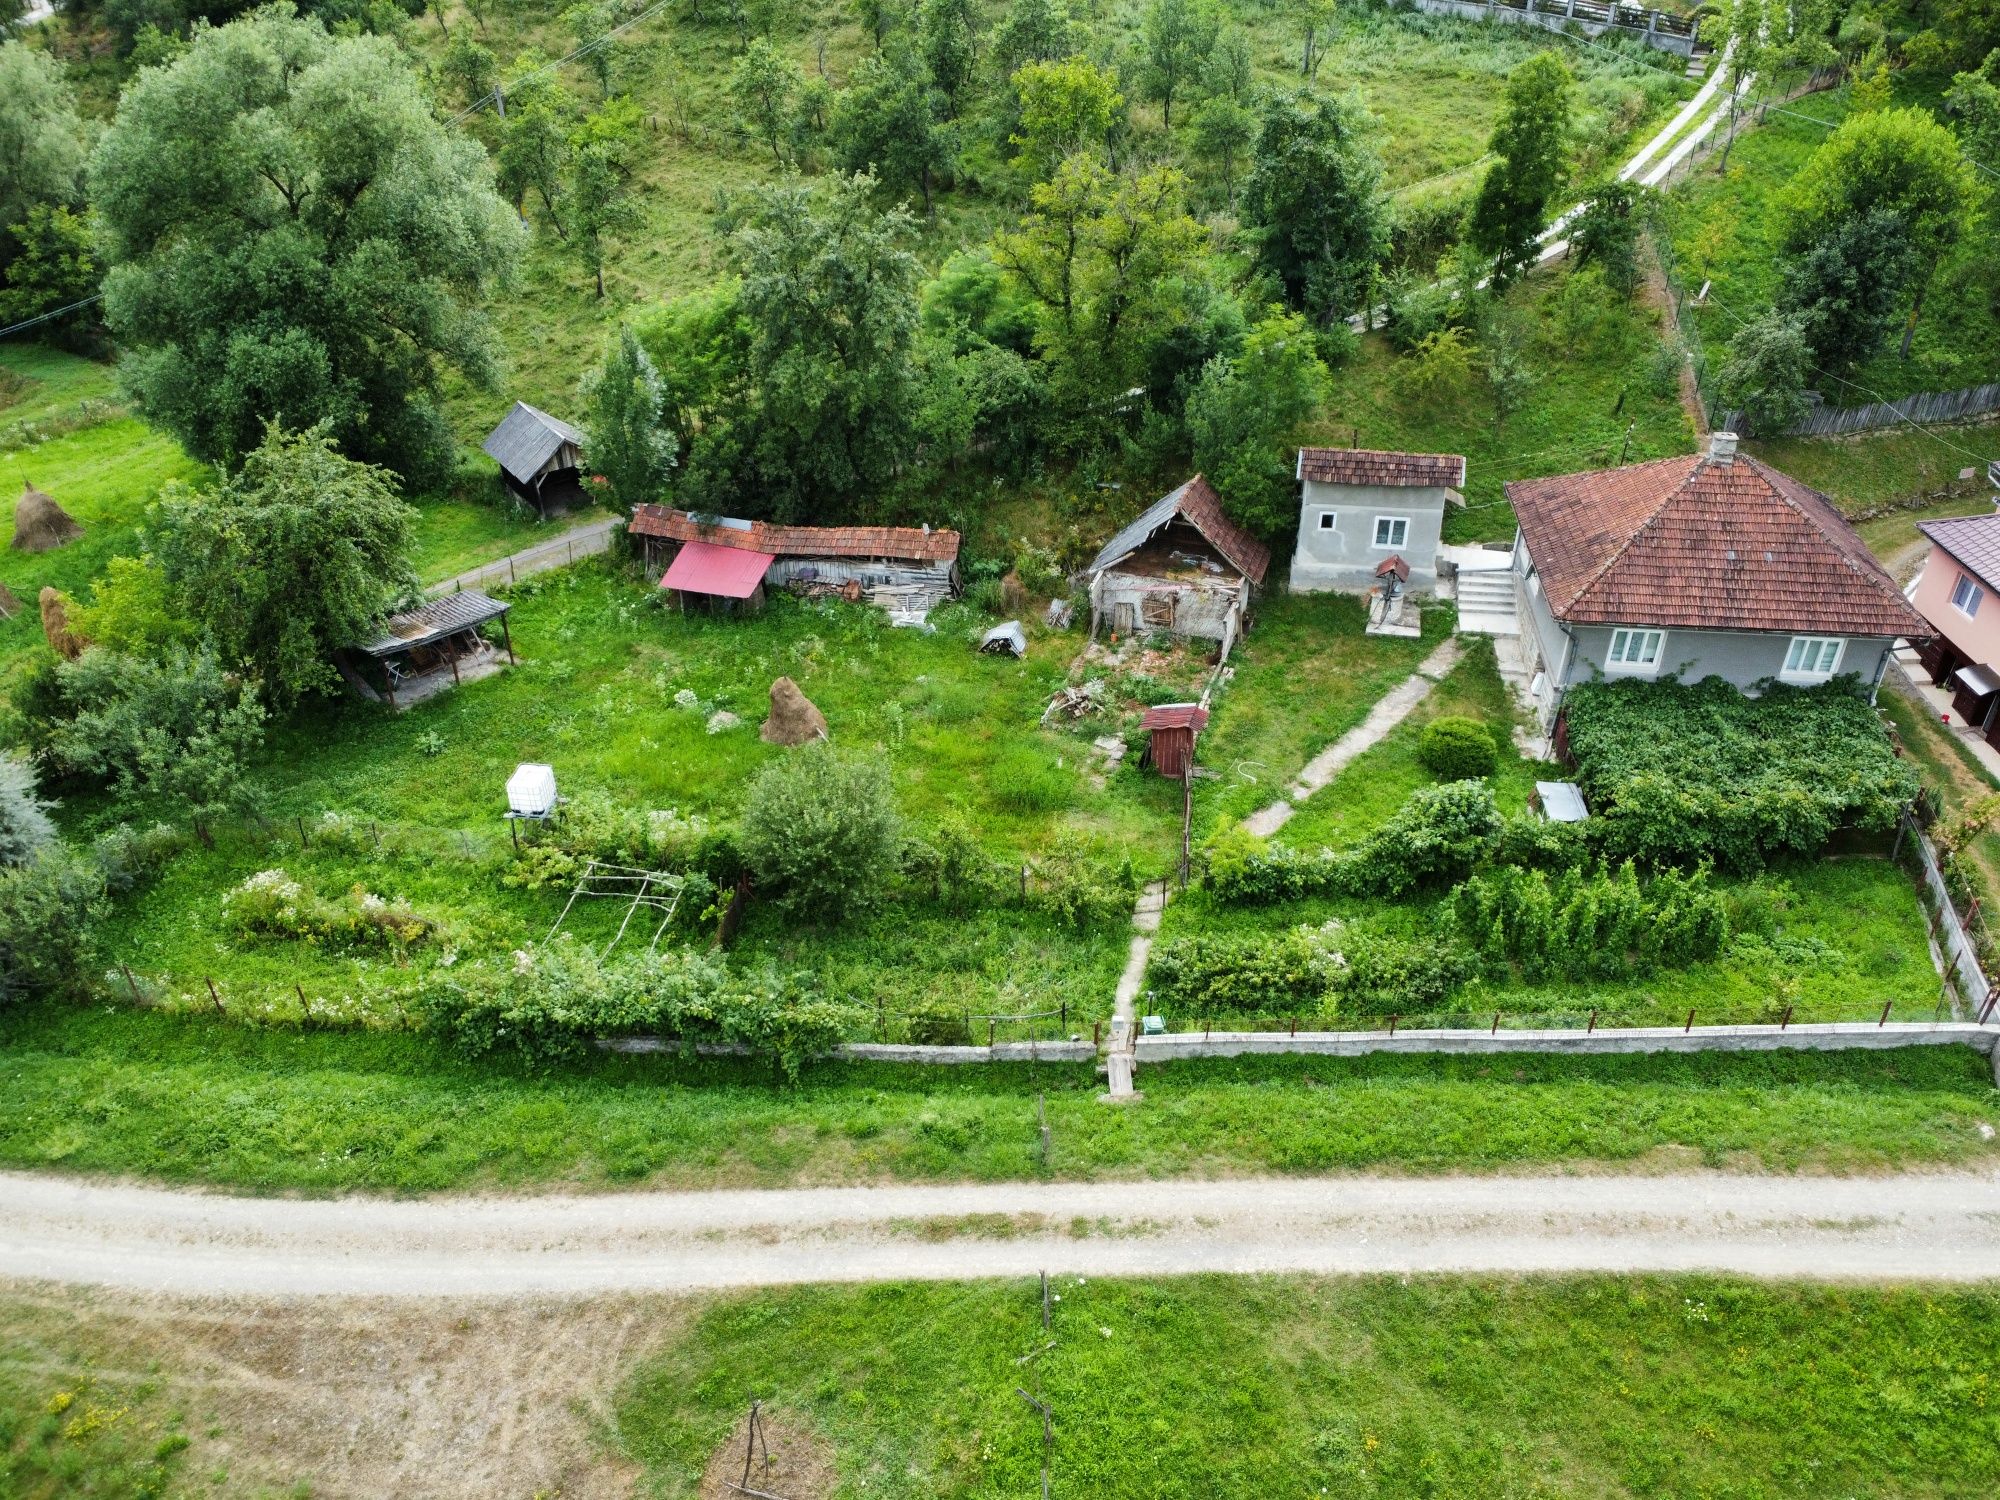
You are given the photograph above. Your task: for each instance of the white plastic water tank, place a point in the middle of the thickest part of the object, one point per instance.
(531, 791)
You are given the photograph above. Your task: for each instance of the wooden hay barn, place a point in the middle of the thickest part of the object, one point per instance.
(1183, 568)
(727, 563)
(540, 456)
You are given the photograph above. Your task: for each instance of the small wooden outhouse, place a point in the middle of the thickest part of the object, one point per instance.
(1173, 727)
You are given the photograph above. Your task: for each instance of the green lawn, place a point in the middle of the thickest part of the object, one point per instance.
(112, 1091)
(1381, 1386)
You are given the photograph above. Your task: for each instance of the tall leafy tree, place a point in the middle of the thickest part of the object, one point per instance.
(41, 142)
(535, 141)
(1898, 161)
(1224, 129)
(950, 49)
(630, 444)
(1845, 288)
(1606, 234)
(1179, 35)
(470, 66)
(1530, 141)
(890, 122)
(53, 266)
(1066, 106)
(830, 296)
(301, 552)
(291, 234)
(1767, 371)
(1033, 31)
(1314, 205)
(1246, 413)
(763, 85)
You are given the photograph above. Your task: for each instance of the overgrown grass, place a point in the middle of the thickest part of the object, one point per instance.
(70, 1427)
(1727, 228)
(1379, 1386)
(1603, 389)
(203, 1101)
(1958, 776)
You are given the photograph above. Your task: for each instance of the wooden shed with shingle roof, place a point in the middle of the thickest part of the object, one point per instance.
(1181, 568)
(1707, 565)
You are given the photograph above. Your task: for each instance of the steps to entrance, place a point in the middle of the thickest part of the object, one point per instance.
(1486, 603)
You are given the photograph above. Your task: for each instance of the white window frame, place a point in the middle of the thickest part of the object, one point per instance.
(1326, 521)
(1624, 656)
(1391, 522)
(1964, 588)
(1816, 649)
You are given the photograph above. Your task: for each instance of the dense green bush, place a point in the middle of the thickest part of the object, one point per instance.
(1457, 748)
(49, 909)
(1296, 971)
(1677, 774)
(547, 1006)
(273, 904)
(1072, 884)
(950, 867)
(820, 831)
(25, 829)
(1397, 974)
(1590, 924)
(1437, 835)
(938, 1023)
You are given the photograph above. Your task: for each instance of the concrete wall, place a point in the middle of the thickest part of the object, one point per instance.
(1819, 1037)
(1045, 1052)
(1742, 657)
(1544, 646)
(1559, 15)
(1977, 636)
(1345, 558)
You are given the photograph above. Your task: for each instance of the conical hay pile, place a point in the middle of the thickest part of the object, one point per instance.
(41, 525)
(794, 720)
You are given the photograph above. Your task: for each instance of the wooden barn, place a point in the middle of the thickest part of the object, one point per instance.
(426, 650)
(1183, 568)
(540, 456)
(1173, 727)
(907, 570)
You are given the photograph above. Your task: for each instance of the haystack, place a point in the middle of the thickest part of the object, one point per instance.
(41, 525)
(9, 605)
(65, 642)
(794, 720)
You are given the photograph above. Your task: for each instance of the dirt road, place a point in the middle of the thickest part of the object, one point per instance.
(1944, 1226)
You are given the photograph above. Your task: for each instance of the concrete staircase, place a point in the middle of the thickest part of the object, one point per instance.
(1486, 602)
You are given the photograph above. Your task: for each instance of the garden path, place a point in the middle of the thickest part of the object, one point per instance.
(1394, 707)
(1124, 1001)
(1942, 1225)
(558, 551)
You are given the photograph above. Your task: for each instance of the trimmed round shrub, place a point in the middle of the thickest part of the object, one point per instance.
(1457, 748)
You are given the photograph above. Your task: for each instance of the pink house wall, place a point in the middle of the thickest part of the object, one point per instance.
(1977, 637)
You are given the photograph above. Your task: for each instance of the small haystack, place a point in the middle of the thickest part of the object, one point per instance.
(65, 642)
(41, 525)
(794, 720)
(9, 605)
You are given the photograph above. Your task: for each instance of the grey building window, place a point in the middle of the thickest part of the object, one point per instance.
(1965, 596)
(1326, 520)
(1634, 653)
(1392, 531)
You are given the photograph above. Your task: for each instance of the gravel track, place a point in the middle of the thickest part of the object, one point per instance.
(1944, 1226)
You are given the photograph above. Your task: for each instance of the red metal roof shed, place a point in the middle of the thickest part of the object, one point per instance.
(724, 572)
(1173, 727)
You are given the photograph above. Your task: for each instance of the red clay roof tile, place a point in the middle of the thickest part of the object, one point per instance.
(903, 542)
(1374, 466)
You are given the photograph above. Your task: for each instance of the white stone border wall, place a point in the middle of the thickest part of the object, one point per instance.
(1830, 1036)
(1047, 1052)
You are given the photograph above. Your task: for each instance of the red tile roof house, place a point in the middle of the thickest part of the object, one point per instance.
(1708, 565)
(1182, 568)
(1358, 507)
(1956, 592)
(901, 568)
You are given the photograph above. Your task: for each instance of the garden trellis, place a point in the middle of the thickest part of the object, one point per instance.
(656, 889)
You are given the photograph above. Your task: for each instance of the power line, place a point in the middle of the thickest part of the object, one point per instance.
(588, 47)
(43, 318)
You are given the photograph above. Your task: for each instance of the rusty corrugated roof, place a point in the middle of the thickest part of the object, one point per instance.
(905, 542)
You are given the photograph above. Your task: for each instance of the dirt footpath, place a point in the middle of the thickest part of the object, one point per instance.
(1944, 1225)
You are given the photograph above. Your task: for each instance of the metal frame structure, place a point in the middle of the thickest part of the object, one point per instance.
(657, 889)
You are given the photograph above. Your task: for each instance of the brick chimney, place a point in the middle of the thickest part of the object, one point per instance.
(1722, 447)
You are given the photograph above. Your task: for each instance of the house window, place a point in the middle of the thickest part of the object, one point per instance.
(1965, 596)
(1326, 520)
(1812, 658)
(1392, 531)
(1634, 653)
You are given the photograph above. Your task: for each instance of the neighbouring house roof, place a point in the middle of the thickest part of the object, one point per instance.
(443, 616)
(1973, 540)
(726, 572)
(1698, 542)
(1175, 716)
(1373, 466)
(904, 543)
(526, 439)
(1196, 503)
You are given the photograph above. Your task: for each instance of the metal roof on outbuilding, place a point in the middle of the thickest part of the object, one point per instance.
(1197, 504)
(724, 572)
(526, 439)
(443, 616)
